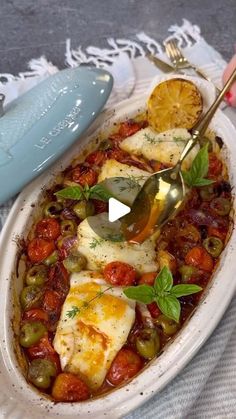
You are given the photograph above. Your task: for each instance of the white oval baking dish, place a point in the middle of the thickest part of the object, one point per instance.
(18, 400)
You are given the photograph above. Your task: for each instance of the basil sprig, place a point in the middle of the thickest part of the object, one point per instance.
(164, 293)
(79, 193)
(196, 175)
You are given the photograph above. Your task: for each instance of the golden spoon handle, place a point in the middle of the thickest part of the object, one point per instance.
(202, 125)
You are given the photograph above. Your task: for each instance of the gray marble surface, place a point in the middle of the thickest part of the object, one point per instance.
(30, 28)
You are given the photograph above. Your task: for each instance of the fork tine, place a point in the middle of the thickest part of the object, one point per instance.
(175, 50)
(169, 50)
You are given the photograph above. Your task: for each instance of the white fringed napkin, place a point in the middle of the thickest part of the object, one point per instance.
(206, 388)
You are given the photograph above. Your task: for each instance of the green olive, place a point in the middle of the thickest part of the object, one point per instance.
(105, 145)
(40, 372)
(207, 193)
(84, 209)
(168, 325)
(68, 227)
(31, 333)
(52, 258)
(221, 206)
(187, 272)
(213, 245)
(148, 343)
(30, 296)
(75, 262)
(53, 209)
(36, 275)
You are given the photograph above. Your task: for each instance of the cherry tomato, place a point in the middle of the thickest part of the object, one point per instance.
(36, 314)
(39, 249)
(48, 228)
(69, 388)
(100, 206)
(58, 278)
(219, 232)
(117, 154)
(128, 128)
(199, 257)
(154, 310)
(119, 273)
(125, 365)
(96, 158)
(44, 349)
(215, 165)
(148, 278)
(84, 176)
(52, 301)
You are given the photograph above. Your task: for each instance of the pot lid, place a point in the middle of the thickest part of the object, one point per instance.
(38, 127)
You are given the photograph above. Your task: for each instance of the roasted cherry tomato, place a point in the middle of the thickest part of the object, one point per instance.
(219, 232)
(215, 165)
(39, 249)
(52, 301)
(199, 257)
(69, 388)
(119, 273)
(154, 310)
(117, 154)
(84, 175)
(100, 206)
(148, 278)
(48, 228)
(58, 278)
(36, 314)
(128, 128)
(125, 365)
(96, 158)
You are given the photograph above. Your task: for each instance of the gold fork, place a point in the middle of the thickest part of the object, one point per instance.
(180, 62)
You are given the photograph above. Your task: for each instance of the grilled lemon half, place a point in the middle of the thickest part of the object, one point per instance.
(174, 103)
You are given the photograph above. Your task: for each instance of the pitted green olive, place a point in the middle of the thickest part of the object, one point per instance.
(30, 296)
(40, 372)
(68, 227)
(187, 272)
(148, 343)
(84, 209)
(168, 325)
(36, 275)
(53, 209)
(214, 246)
(52, 258)
(31, 333)
(75, 262)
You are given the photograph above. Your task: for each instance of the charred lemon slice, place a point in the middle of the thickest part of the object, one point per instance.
(174, 103)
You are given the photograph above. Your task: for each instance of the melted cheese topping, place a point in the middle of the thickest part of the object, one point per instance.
(165, 147)
(88, 342)
(99, 252)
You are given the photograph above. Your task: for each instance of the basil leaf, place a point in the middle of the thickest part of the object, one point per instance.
(199, 169)
(71, 192)
(185, 289)
(170, 306)
(200, 163)
(202, 182)
(164, 281)
(187, 177)
(99, 192)
(142, 293)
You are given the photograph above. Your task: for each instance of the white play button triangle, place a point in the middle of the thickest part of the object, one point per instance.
(116, 209)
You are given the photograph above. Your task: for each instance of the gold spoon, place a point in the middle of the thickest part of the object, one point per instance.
(163, 192)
